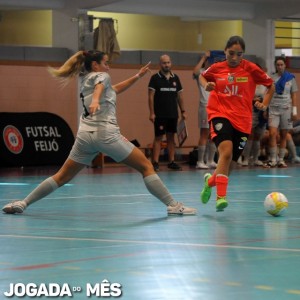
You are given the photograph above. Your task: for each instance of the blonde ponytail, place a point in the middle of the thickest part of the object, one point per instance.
(72, 67)
(80, 62)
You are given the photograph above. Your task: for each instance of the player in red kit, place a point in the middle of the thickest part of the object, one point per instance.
(232, 86)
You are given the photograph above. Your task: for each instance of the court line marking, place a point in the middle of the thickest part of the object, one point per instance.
(151, 243)
(295, 292)
(150, 195)
(264, 287)
(233, 284)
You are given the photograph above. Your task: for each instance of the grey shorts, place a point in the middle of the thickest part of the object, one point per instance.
(280, 118)
(202, 116)
(257, 128)
(108, 140)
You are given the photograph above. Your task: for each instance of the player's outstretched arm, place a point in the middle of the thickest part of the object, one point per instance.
(124, 85)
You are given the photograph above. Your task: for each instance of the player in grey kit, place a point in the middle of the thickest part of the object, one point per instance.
(99, 132)
(282, 111)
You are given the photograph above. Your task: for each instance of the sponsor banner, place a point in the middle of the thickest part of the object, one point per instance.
(31, 139)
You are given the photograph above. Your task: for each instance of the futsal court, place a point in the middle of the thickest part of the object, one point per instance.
(104, 225)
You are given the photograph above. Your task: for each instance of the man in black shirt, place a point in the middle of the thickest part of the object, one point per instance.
(165, 95)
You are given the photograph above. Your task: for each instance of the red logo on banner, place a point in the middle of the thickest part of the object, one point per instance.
(13, 139)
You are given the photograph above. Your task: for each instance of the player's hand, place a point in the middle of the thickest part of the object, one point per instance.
(207, 54)
(260, 106)
(94, 107)
(145, 69)
(257, 98)
(152, 118)
(210, 86)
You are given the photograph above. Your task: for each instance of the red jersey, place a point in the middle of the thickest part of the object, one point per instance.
(234, 92)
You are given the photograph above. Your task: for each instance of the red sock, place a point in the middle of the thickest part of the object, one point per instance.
(221, 185)
(212, 180)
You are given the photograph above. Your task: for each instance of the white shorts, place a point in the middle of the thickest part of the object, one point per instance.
(280, 117)
(107, 140)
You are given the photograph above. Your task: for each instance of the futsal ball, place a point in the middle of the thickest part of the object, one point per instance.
(276, 203)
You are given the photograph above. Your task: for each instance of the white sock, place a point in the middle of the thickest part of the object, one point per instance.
(42, 190)
(292, 148)
(282, 152)
(211, 151)
(255, 150)
(273, 153)
(201, 151)
(156, 187)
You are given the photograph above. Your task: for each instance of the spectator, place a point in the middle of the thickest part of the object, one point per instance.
(282, 112)
(165, 94)
(205, 145)
(292, 151)
(259, 122)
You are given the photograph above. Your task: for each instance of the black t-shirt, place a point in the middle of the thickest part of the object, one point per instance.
(166, 95)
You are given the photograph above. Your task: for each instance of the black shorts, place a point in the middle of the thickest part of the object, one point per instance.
(222, 130)
(163, 126)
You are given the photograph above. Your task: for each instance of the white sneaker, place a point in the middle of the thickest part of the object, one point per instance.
(180, 209)
(14, 207)
(239, 161)
(281, 164)
(258, 163)
(201, 165)
(270, 164)
(212, 165)
(245, 163)
(296, 160)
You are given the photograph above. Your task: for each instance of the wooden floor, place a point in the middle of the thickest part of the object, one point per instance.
(105, 225)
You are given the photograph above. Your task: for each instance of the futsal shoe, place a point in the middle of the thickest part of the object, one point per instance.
(296, 160)
(155, 166)
(281, 164)
(270, 164)
(201, 165)
(14, 207)
(173, 166)
(245, 163)
(180, 209)
(206, 191)
(212, 165)
(221, 203)
(258, 163)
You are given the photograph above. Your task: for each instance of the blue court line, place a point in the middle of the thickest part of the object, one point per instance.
(274, 176)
